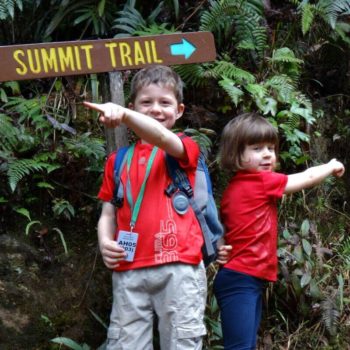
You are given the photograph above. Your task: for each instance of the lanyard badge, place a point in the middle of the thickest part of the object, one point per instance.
(128, 239)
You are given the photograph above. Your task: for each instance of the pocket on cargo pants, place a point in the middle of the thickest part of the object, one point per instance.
(190, 338)
(113, 336)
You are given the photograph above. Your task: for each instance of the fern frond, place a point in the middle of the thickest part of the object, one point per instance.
(131, 22)
(231, 71)
(284, 55)
(194, 74)
(256, 90)
(330, 315)
(19, 168)
(7, 8)
(283, 86)
(9, 134)
(234, 92)
(85, 146)
(331, 10)
(218, 15)
(307, 17)
(250, 33)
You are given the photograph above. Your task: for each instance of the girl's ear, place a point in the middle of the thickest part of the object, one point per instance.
(130, 105)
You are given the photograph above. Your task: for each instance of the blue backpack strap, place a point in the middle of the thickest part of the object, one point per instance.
(118, 194)
(180, 180)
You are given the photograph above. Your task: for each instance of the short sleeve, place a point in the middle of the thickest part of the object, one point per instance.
(192, 152)
(274, 183)
(108, 185)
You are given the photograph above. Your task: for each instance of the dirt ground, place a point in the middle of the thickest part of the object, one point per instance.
(46, 293)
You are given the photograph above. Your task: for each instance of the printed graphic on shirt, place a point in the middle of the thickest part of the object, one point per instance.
(166, 241)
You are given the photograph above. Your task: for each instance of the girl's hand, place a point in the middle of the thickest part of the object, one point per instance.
(111, 114)
(338, 168)
(224, 253)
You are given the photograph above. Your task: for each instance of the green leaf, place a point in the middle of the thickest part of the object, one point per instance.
(305, 228)
(307, 247)
(3, 200)
(70, 343)
(24, 212)
(314, 290)
(286, 234)
(29, 225)
(62, 239)
(298, 254)
(45, 185)
(305, 280)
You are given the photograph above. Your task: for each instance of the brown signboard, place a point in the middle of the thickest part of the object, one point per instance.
(19, 62)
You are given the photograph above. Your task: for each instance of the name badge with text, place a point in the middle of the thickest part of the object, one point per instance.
(128, 240)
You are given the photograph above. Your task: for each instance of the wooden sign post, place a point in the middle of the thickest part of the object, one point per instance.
(32, 61)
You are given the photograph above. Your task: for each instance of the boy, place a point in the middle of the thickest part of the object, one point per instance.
(166, 276)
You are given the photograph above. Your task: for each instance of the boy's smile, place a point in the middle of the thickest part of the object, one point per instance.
(159, 103)
(259, 157)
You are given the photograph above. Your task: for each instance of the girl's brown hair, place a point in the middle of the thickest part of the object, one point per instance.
(246, 129)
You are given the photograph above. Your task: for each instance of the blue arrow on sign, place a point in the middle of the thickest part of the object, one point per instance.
(185, 48)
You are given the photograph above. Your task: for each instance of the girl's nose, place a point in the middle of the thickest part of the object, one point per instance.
(267, 152)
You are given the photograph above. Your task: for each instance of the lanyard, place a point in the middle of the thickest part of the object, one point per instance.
(135, 208)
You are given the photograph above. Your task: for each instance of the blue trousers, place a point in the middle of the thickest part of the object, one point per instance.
(239, 298)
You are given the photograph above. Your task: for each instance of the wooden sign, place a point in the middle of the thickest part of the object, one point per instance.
(32, 61)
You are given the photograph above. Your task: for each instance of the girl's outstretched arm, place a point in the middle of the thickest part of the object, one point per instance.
(313, 176)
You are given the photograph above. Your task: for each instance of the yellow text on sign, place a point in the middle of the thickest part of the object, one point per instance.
(79, 58)
(133, 55)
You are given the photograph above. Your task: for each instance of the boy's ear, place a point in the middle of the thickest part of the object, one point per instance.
(180, 110)
(130, 105)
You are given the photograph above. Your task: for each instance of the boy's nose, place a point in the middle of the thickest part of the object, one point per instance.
(155, 108)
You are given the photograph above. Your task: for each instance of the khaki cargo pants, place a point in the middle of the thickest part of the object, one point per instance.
(176, 293)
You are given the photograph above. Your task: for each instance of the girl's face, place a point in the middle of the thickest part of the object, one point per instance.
(158, 103)
(259, 157)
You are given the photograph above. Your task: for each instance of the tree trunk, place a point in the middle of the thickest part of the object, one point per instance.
(117, 137)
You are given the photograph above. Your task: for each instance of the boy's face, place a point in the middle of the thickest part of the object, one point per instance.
(259, 157)
(158, 103)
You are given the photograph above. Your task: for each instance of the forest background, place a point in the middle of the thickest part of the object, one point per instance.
(288, 60)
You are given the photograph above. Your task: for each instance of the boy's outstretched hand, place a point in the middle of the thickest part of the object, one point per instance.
(111, 114)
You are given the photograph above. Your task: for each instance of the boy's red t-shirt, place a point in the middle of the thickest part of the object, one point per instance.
(249, 214)
(164, 235)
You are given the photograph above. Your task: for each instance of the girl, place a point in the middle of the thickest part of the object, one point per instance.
(249, 213)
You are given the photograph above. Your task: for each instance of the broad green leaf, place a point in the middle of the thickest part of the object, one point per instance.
(305, 280)
(307, 247)
(24, 212)
(305, 228)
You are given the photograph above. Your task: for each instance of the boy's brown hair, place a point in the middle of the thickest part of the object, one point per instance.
(162, 76)
(246, 129)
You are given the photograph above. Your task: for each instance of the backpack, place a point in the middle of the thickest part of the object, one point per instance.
(201, 198)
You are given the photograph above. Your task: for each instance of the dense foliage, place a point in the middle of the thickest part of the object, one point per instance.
(286, 60)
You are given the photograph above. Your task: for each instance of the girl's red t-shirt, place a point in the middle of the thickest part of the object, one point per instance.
(249, 214)
(164, 236)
